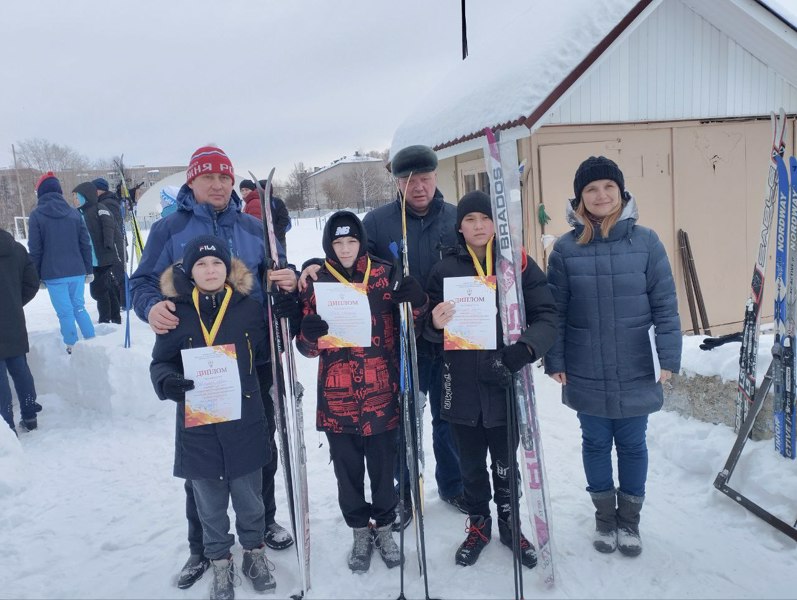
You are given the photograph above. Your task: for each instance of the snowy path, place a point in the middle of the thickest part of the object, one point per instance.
(89, 509)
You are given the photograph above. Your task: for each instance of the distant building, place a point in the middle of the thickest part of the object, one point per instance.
(350, 182)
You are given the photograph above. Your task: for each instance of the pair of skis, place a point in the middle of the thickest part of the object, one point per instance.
(785, 306)
(752, 313)
(508, 220)
(287, 395)
(129, 215)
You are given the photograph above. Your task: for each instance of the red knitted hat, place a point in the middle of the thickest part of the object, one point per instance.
(209, 159)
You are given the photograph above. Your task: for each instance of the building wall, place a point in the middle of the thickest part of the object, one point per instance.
(347, 179)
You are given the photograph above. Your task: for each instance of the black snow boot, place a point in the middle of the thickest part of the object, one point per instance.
(628, 509)
(363, 546)
(277, 537)
(223, 587)
(605, 538)
(479, 530)
(528, 555)
(406, 511)
(192, 570)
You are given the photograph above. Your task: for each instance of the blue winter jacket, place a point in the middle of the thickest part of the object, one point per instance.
(169, 235)
(608, 293)
(58, 240)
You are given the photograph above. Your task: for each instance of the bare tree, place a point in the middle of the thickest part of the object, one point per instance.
(365, 184)
(296, 190)
(39, 154)
(335, 193)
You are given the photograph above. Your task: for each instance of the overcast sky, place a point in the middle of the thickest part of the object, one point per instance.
(273, 82)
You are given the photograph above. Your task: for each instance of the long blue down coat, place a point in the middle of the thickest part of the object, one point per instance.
(609, 292)
(219, 450)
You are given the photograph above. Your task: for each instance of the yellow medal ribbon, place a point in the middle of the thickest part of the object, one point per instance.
(343, 280)
(210, 337)
(489, 260)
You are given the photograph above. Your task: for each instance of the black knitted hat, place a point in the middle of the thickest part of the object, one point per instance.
(205, 245)
(593, 169)
(413, 159)
(247, 184)
(476, 201)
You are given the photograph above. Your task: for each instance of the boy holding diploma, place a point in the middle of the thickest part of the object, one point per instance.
(478, 368)
(358, 383)
(221, 443)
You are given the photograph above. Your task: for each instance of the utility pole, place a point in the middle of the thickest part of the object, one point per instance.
(19, 192)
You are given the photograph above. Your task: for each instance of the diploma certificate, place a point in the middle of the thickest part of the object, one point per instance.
(473, 326)
(346, 310)
(216, 396)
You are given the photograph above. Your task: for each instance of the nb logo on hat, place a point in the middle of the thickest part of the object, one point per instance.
(343, 230)
(207, 248)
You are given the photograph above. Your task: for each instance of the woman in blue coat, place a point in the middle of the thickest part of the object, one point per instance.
(618, 325)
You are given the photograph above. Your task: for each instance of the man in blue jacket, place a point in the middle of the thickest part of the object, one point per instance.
(208, 204)
(431, 229)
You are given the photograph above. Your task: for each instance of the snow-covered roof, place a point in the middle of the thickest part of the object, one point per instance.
(357, 158)
(537, 59)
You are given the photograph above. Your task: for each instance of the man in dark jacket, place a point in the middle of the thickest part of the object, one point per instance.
(18, 285)
(102, 226)
(60, 248)
(430, 230)
(208, 204)
(111, 201)
(279, 212)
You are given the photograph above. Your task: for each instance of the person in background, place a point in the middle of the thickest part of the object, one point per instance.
(207, 204)
(112, 202)
(102, 226)
(476, 381)
(618, 318)
(361, 419)
(279, 212)
(60, 247)
(18, 285)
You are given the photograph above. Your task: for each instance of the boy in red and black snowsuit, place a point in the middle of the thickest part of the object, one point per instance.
(358, 388)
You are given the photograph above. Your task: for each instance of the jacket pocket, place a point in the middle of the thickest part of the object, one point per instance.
(635, 356)
(579, 358)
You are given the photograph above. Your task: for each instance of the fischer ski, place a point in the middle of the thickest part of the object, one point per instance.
(508, 220)
(287, 394)
(752, 313)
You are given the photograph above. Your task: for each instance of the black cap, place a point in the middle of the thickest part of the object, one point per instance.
(205, 245)
(413, 159)
(593, 169)
(342, 224)
(476, 201)
(247, 184)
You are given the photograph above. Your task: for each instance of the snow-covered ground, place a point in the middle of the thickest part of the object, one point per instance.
(89, 508)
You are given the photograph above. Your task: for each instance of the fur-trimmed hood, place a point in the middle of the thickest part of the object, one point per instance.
(175, 283)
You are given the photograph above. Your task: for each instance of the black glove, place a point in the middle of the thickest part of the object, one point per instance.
(409, 290)
(493, 371)
(313, 327)
(175, 386)
(284, 305)
(516, 356)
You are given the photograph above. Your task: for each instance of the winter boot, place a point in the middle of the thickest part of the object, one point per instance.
(479, 533)
(360, 557)
(277, 537)
(28, 424)
(406, 511)
(605, 538)
(223, 587)
(628, 509)
(457, 502)
(528, 555)
(192, 570)
(388, 550)
(257, 569)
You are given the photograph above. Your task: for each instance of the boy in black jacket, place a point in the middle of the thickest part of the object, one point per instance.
(222, 460)
(475, 381)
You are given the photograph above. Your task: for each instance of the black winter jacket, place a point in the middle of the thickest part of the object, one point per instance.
(114, 205)
(467, 390)
(219, 450)
(18, 285)
(100, 223)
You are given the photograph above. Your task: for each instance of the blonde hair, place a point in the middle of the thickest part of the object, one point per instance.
(607, 223)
